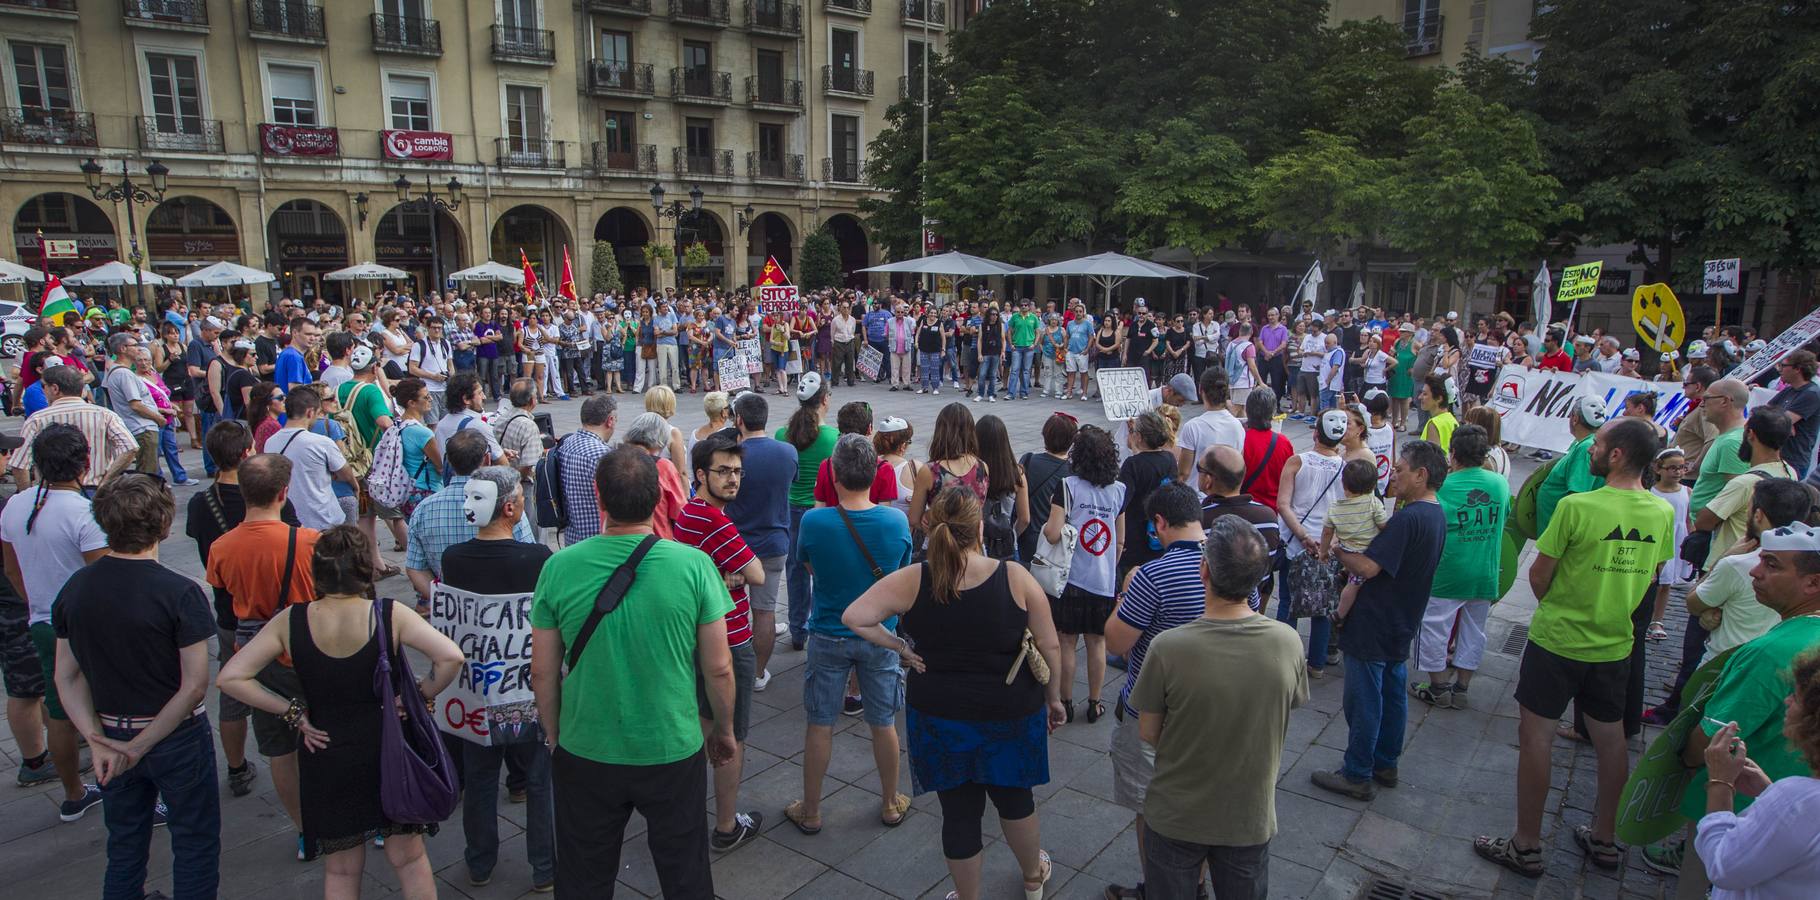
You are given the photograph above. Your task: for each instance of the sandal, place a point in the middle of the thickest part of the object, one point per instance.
(1095, 709)
(794, 812)
(1604, 854)
(1527, 863)
(1045, 870)
(1565, 731)
(894, 813)
(1068, 710)
(1656, 632)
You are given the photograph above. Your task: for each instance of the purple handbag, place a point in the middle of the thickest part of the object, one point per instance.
(417, 780)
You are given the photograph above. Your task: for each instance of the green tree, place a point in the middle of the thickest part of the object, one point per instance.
(983, 150)
(604, 270)
(894, 162)
(1365, 87)
(1184, 189)
(820, 267)
(1321, 195)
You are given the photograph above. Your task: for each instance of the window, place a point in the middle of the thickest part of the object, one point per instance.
(176, 93)
(913, 60)
(700, 136)
(770, 150)
(1421, 21)
(410, 101)
(293, 95)
(524, 117)
(518, 13)
(408, 8)
(845, 140)
(845, 57)
(771, 77)
(616, 50)
(41, 74)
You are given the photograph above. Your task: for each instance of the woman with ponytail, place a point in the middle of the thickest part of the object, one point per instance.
(978, 713)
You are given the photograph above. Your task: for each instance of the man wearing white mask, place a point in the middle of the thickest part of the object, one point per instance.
(440, 521)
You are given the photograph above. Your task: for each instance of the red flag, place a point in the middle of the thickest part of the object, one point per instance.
(772, 274)
(566, 287)
(530, 277)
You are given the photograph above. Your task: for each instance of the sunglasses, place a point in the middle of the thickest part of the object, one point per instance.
(1069, 416)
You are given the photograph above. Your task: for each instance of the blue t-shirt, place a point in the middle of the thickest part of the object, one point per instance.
(841, 571)
(416, 436)
(661, 322)
(327, 428)
(1390, 605)
(761, 511)
(33, 398)
(1080, 334)
(290, 369)
(723, 326)
(876, 321)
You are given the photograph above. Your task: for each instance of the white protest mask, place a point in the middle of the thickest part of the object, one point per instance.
(479, 499)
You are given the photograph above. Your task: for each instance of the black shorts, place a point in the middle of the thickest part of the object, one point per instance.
(1547, 682)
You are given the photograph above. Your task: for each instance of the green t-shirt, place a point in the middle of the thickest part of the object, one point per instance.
(119, 316)
(631, 699)
(1751, 690)
(1609, 543)
(1718, 466)
(371, 408)
(808, 460)
(1023, 329)
(1476, 503)
(1572, 475)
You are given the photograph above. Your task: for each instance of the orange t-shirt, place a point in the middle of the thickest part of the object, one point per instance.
(248, 561)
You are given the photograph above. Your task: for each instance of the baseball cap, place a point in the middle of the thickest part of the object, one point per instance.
(1333, 424)
(212, 322)
(49, 361)
(892, 424)
(10, 442)
(1453, 316)
(810, 385)
(1795, 536)
(1631, 353)
(1591, 410)
(1183, 383)
(1582, 339)
(361, 359)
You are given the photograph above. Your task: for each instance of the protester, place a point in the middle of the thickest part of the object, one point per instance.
(1093, 500)
(651, 433)
(1007, 503)
(1574, 473)
(580, 454)
(131, 400)
(1475, 502)
(1216, 426)
(639, 665)
(111, 447)
(1151, 464)
(441, 521)
(855, 417)
(1044, 473)
(316, 461)
(1727, 514)
(466, 410)
(1801, 400)
(813, 442)
(1308, 485)
(1266, 450)
(953, 459)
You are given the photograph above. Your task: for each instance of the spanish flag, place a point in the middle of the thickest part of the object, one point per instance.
(530, 277)
(566, 287)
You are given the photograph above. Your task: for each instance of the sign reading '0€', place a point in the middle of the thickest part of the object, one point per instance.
(1658, 317)
(1579, 282)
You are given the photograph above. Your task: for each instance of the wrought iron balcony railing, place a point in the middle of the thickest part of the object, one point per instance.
(641, 159)
(701, 86)
(701, 12)
(861, 8)
(47, 127)
(407, 34)
(180, 133)
(612, 78)
(788, 167)
(919, 12)
(840, 170)
(709, 163)
(524, 45)
(775, 17)
(851, 82)
(779, 92)
(286, 20)
(193, 13)
(527, 153)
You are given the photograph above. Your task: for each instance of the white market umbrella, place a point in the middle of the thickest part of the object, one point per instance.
(951, 263)
(1109, 270)
(366, 271)
(13, 273)
(1543, 288)
(489, 271)
(113, 274)
(225, 274)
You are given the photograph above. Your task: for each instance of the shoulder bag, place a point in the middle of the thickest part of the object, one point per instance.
(877, 571)
(1050, 563)
(418, 784)
(1313, 584)
(611, 594)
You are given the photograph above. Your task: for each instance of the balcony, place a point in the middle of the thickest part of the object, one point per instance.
(786, 168)
(774, 17)
(701, 86)
(54, 9)
(774, 93)
(183, 15)
(1421, 35)
(836, 170)
(181, 134)
(712, 13)
(640, 161)
(47, 127)
(918, 13)
(844, 82)
(290, 21)
(407, 34)
(525, 153)
(717, 164)
(607, 78)
(860, 8)
(622, 7)
(535, 46)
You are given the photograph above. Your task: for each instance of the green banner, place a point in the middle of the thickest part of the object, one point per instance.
(1650, 807)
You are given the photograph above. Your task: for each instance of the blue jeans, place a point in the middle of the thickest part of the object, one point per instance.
(951, 366)
(208, 420)
(881, 679)
(1320, 628)
(167, 445)
(988, 380)
(181, 770)
(930, 369)
(480, 806)
(1019, 383)
(1172, 869)
(1377, 709)
(796, 578)
(1329, 399)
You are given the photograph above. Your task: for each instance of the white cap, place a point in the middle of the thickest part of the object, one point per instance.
(1582, 339)
(49, 361)
(1453, 316)
(892, 424)
(1631, 353)
(1696, 350)
(244, 344)
(1795, 536)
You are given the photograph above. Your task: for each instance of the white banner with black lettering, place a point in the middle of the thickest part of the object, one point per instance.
(490, 701)
(1535, 403)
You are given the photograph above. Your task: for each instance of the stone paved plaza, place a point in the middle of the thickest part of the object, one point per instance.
(1458, 775)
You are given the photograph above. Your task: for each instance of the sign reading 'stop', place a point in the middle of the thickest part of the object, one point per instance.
(437, 146)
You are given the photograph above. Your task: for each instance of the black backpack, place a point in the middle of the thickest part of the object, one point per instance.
(552, 504)
(1000, 517)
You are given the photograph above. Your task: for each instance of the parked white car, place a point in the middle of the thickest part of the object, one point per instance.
(15, 320)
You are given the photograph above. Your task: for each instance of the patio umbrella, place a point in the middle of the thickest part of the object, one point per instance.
(13, 273)
(1109, 270)
(225, 274)
(113, 274)
(489, 271)
(366, 271)
(951, 263)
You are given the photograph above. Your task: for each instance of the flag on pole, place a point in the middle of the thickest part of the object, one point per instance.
(56, 301)
(772, 274)
(1358, 292)
(1311, 282)
(530, 277)
(566, 287)
(1542, 290)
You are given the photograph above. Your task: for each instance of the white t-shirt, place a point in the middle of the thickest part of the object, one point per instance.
(432, 357)
(314, 460)
(52, 552)
(1333, 370)
(334, 377)
(1728, 587)
(1315, 344)
(1237, 354)
(1382, 442)
(1310, 501)
(1210, 429)
(1374, 367)
(1094, 513)
(1677, 570)
(1207, 337)
(452, 422)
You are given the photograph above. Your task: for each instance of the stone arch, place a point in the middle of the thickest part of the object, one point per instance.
(304, 239)
(188, 232)
(855, 248)
(625, 228)
(404, 238)
(63, 216)
(539, 233)
(771, 234)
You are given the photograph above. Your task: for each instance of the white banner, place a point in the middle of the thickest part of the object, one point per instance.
(1535, 402)
(490, 701)
(733, 374)
(1792, 338)
(1123, 392)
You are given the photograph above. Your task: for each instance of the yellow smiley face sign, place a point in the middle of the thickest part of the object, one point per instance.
(1656, 313)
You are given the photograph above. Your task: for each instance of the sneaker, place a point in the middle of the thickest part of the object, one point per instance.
(745, 827)
(44, 773)
(992, 399)
(480, 880)
(544, 887)
(762, 681)
(187, 482)
(1665, 857)
(935, 393)
(240, 781)
(919, 390)
(852, 706)
(976, 398)
(71, 810)
(1439, 696)
(302, 849)
(379, 842)
(516, 796)
(1333, 656)
(1338, 783)
(562, 397)
(1459, 696)
(161, 814)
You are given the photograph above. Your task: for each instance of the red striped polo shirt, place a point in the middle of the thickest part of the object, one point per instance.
(708, 529)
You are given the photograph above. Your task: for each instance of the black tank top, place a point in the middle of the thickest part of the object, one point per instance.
(968, 644)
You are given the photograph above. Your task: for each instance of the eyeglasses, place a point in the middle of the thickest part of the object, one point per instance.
(727, 472)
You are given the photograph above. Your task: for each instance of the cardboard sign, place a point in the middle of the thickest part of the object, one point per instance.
(1721, 276)
(733, 374)
(781, 299)
(1650, 807)
(870, 361)
(1656, 313)
(1793, 338)
(1579, 282)
(754, 356)
(1123, 392)
(490, 701)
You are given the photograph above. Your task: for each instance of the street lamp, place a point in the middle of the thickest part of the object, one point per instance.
(430, 202)
(676, 212)
(746, 218)
(131, 193)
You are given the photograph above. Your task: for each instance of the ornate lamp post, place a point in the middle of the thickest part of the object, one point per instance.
(677, 213)
(131, 193)
(430, 202)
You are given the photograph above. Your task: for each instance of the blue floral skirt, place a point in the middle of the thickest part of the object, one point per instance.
(947, 753)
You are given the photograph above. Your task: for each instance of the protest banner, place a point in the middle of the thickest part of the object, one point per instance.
(1792, 338)
(733, 374)
(490, 701)
(1649, 809)
(1656, 314)
(870, 361)
(780, 299)
(1123, 392)
(1579, 282)
(749, 351)
(1534, 403)
(1721, 276)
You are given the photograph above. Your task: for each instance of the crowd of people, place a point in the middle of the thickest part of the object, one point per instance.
(955, 586)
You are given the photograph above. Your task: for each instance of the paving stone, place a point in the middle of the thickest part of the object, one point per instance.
(1311, 830)
(833, 885)
(904, 862)
(849, 822)
(1291, 880)
(763, 870)
(1386, 842)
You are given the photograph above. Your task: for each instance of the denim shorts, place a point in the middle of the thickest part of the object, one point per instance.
(881, 679)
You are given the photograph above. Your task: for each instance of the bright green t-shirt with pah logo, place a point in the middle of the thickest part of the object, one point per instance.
(1610, 543)
(1476, 502)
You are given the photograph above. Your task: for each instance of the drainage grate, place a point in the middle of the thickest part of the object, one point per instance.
(1516, 640)
(1387, 889)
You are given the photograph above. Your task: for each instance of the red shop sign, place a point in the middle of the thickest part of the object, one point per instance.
(291, 140)
(427, 145)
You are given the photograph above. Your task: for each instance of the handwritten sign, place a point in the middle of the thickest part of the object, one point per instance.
(490, 701)
(870, 361)
(1721, 276)
(733, 374)
(780, 299)
(1123, 392)
(752, 354)
(1793, 338)
(1579, 282)
(1656, 313)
